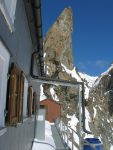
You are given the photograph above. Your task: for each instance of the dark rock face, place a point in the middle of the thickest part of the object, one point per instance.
(100, 106)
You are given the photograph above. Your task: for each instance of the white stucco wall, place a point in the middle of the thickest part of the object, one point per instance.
(4, 64)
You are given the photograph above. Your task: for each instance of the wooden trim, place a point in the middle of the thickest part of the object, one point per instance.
(29, 101)
(20, 97)
(34, 103)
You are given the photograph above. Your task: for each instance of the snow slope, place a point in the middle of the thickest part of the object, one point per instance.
(103, 74)
(80, 77)
(88, 78)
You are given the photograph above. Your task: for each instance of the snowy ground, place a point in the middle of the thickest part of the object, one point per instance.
(48, 143)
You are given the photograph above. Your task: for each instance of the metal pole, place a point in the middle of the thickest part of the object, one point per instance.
(60, 126)
(72, 141)
(80, 118)
(67, 136)
(64, 134)
(62, 129)
(56, 82)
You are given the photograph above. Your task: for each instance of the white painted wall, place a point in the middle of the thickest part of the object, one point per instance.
(4, 65)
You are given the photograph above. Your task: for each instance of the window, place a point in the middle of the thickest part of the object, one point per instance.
(15, 96)
(8, 8)
(4, 65)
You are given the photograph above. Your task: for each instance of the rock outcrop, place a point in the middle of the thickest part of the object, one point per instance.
(58, 45)
(100, 106)
(58, 50)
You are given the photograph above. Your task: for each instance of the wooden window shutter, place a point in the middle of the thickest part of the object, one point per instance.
(29, 101)
(20, 97)
(12, 117)
(34, 102)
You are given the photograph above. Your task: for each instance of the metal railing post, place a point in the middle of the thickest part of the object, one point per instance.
(67, 136)
(72, 141)
(62, 129)
(64, 133)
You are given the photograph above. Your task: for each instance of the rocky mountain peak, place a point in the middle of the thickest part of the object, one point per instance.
(58, 43)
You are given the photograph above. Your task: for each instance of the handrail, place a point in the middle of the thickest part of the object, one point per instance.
(61, 126)
(64, 132)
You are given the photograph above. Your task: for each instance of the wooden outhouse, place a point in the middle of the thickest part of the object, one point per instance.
(53, 109)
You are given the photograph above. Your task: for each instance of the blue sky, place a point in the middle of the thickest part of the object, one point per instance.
(93, 31)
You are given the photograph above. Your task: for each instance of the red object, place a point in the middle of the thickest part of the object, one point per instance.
(53, 109)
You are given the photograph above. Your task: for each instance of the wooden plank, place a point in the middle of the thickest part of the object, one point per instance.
(20, 97)
(34, 102)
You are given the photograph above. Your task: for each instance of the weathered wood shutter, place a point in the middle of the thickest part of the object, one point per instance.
(34, 102)
(12, 117)
(20, 97)
(29, 101)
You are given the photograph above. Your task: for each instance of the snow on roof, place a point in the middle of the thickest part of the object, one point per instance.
(50, 100)
(48, 143)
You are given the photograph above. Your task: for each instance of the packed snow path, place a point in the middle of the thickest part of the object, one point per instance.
(57, 138)
(52, 139)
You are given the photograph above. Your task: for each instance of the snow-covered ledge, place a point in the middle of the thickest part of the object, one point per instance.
(3, 131)
(48, 143)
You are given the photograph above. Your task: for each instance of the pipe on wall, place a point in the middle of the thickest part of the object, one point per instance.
(36, 7)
